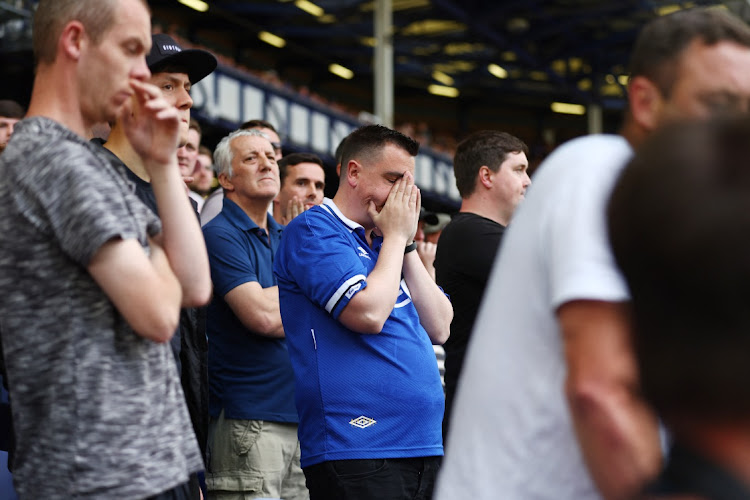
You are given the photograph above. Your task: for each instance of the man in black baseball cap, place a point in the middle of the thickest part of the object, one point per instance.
(167, 54)
(173, 72)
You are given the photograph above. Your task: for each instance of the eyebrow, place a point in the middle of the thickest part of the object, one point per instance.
(395, 174)
(175, 79)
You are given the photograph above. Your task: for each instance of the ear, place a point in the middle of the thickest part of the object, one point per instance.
(485, 176)
(353, 171)
(646, 102)
(72, 39)
(225, 182)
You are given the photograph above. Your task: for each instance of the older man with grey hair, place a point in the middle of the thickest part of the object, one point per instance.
(253, 443)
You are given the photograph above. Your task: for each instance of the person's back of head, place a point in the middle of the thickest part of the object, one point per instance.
(487, 148)
(679, 225)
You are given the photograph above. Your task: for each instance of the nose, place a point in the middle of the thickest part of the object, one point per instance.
(185, 101)
(527, 181)
(141, 71)
(10, 129)
(265, 163)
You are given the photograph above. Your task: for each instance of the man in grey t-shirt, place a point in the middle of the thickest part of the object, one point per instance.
(89, 293)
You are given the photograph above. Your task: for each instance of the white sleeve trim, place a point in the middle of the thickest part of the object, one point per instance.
(342, 290)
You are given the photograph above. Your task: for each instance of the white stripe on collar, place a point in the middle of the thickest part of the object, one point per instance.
(331, 207)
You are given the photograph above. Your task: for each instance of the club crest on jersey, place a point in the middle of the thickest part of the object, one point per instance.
(362, 422)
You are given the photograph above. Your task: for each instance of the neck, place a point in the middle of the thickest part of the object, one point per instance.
(481, 205)
(255, 208)
(119, 144)
(54, 97)
(278, 214)
(633, 133)
(351, 207)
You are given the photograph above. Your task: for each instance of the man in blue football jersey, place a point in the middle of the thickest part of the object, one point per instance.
(360, 313)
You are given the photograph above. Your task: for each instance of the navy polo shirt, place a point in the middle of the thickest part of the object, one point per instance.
(250, 376)
(358, 395)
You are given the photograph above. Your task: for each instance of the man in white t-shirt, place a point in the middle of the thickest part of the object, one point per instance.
(549, 393)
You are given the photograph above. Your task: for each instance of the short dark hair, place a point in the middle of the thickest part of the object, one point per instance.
(339, 151)
(679, 226)
(661, 43)
(293, 159)
(255, 124)
(488, 148)
(11, 109)
(366, 141)
(195, 126)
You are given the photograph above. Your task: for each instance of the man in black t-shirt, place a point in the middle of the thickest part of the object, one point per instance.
(491, 176)
(174, 71)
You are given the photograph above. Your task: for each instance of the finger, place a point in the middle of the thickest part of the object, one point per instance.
(297, 207)
(145, 90)
(168, 114)
(372, 210)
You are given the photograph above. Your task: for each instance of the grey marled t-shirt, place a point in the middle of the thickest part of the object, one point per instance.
(98, 410)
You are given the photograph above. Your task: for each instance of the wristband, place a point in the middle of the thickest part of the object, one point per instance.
(410, 248)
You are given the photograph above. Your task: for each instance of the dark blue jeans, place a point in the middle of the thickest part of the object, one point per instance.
(373, 479)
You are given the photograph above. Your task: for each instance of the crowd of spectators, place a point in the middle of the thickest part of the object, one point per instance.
(283, 348)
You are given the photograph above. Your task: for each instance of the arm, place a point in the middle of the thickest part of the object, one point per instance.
(257, 308)
(153, 132)
(617, 432)
(143, 289)
(369, 309)
(434, 309)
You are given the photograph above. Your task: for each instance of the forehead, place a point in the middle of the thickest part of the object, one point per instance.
(271, 134)
(306, 169)
(515, 158)
(722, 66)
(174, 77)
(193, 136)
(132, 21)
(393, 160)
(249, 143)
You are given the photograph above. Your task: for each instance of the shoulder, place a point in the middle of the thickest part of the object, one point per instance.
(316, 221)
(465, 224)
(588, 154)
(220, 231)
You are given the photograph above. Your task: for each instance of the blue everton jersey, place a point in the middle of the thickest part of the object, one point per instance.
(357, 395)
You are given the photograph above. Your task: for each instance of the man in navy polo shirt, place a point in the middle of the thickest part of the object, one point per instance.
(253, 447)
(360, 312)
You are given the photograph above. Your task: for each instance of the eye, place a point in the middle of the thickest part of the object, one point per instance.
(168, 87)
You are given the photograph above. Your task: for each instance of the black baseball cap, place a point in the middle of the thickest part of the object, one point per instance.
(165, 52)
